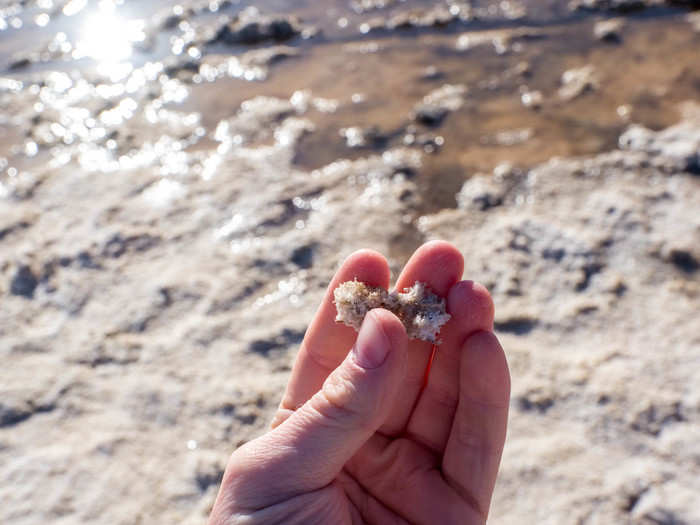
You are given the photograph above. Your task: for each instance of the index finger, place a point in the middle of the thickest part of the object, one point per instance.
(326, 342)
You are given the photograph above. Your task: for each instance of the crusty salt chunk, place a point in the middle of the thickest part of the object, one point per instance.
(422, 312)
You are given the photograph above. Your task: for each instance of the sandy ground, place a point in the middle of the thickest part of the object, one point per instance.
(155, 287)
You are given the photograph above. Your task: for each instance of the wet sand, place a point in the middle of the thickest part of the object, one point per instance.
(163, 193)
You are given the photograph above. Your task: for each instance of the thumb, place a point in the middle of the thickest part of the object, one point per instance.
(356, 398)
(309, 449)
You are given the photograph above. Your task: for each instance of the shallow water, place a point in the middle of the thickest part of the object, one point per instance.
(385, 72)
(370, 80)
(114, 85)
(114, 62)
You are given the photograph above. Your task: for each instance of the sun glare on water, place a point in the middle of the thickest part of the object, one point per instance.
(107, 37)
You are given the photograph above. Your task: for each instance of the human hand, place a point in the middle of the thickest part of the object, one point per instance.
(359, 437)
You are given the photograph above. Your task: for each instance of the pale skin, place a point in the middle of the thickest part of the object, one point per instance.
(359, 438)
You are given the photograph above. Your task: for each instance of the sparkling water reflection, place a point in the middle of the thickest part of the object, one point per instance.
(108, 37)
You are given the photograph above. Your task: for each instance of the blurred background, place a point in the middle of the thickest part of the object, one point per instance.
(178, 183)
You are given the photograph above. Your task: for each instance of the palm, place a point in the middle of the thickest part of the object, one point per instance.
(347, 501)
(402, 472)
(380, 485)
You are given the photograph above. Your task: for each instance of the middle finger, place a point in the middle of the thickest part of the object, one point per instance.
(439, 265)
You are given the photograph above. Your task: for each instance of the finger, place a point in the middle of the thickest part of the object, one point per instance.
(309, 449)
(439, 265)
(475, 444)
(326, 342)
(471, 308)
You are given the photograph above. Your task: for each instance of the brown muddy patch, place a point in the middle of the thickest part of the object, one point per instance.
(377, 84)
(522, 94)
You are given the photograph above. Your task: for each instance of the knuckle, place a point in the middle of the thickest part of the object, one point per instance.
(444, 398)
(466, 436)
(340, 404)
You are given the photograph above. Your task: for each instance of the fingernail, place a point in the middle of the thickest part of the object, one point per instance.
(372, 346)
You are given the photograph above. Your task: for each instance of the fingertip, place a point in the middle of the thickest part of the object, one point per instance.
(437, 263)
(368, 266)
(484, 369)
(446, 257)
(438, 244)
(365, 252)
(470, 303)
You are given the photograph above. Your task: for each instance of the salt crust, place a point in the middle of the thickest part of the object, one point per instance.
(421, 311)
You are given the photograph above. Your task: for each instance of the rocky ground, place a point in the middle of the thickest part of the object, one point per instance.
(168, 226)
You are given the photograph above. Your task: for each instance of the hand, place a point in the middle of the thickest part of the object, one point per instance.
(359, 438)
